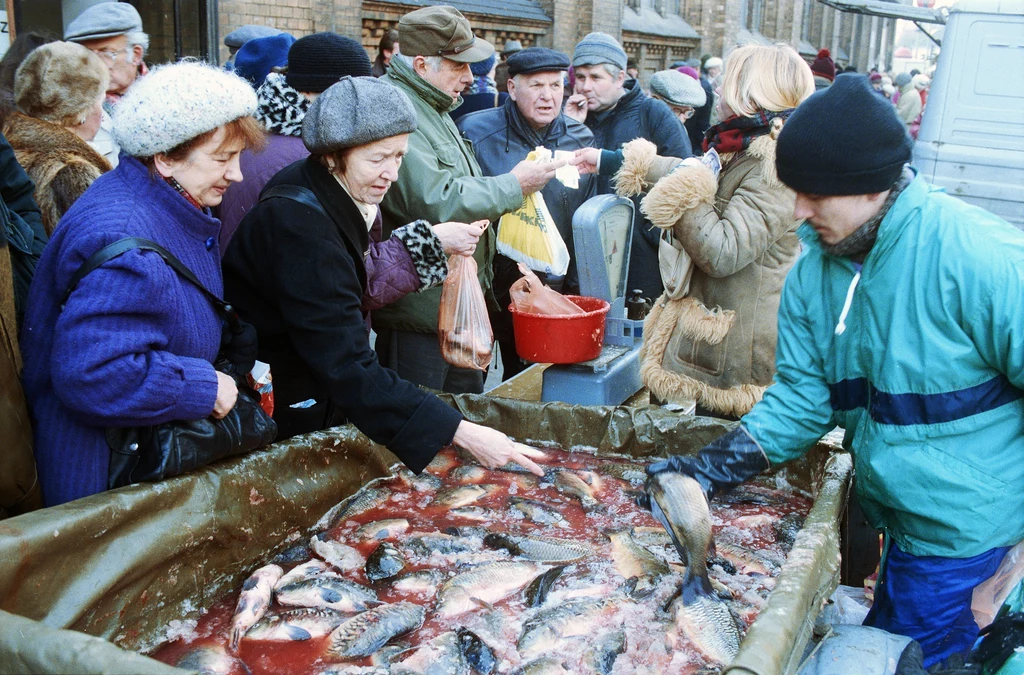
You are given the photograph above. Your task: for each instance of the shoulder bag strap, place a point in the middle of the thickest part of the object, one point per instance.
(296, 193)
(122, 246)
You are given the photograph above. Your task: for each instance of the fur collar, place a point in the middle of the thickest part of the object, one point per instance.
(280, 109)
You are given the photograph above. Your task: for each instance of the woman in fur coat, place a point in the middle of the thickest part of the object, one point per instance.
(59, 91)
(715, 343)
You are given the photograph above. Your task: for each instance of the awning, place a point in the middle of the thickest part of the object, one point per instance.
(750, 37)
(807, 49)
(651, 23)
(890, 10)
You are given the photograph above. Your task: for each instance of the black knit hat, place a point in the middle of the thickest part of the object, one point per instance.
(317, 61)
(843, 140)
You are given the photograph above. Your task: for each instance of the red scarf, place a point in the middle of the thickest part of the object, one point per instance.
(736, 133)
(183, 192)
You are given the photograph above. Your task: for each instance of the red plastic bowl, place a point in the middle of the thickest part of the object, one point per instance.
(569, 338)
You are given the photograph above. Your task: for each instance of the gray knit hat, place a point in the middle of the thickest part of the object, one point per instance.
(177, 102)
(356, 111)
(678, 89)
(598, 48)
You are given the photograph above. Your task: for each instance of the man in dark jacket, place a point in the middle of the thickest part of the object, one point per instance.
(617, 111)
(503, 137)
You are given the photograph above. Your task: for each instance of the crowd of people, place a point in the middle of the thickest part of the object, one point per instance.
(322, 194)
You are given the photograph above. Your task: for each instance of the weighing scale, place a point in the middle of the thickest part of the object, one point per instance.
(602, 232)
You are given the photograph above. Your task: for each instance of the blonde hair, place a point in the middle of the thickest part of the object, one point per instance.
(761, 77)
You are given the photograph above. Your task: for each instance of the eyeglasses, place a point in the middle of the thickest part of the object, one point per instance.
(685, 113)
(109, 55)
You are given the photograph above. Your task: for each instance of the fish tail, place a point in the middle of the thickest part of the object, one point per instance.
(696, 586)
(236, 637)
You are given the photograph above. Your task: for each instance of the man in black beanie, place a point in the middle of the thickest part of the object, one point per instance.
(901, 323)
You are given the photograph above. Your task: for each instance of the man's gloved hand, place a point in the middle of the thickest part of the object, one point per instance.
(239, 349)
(720, 465)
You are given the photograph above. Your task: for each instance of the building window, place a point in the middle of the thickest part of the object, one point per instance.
(756, 15)
(805, 26)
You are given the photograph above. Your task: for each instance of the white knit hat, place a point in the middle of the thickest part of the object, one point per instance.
(177, 102)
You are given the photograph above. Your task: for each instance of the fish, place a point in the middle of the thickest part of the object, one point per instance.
(476, 513)
(362, 501)
(601, 654)
(550, 630)
(440, 656)
(635, 474)
(651, 536)
(330, 592)
(462, 495)
(746, 561)
(253, 602)
(537, 592)
(212, 660)
(678, 503)
(422, 581)
(307, 570)
(339, 555)
(367, 632)
(424, 482)
(468, 473)
(386, 654)
(708, 623)
(477, 653)
(632, 560)
(337, 669)
(385, 562)
(488, 582)
(546, 665)
(291, 555)
(426, 543)
(303, 623)
(383, 529)
(541, 549)
(786, 529)
(537, 512)
(568, 483)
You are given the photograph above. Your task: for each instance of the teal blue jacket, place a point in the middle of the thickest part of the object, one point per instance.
(926, 379)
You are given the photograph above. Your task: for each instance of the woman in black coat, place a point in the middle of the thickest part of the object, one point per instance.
(297, 269)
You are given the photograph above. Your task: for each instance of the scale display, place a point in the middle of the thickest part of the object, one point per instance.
(602, 232)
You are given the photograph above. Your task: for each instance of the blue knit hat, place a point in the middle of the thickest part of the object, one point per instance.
(843, 140)
(598, 48)
(257, 57)
(481, 68)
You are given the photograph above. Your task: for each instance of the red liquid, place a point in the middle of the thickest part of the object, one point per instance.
(653, 644)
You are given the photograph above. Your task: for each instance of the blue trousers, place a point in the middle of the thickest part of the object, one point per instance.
(928, 598)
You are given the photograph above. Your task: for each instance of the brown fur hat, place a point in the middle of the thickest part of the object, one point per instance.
(60, 82)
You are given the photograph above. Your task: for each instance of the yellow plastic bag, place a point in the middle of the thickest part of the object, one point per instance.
(528, 235)
(462, 322)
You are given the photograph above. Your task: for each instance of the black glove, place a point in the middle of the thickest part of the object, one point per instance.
(721, 464)
(239, 349)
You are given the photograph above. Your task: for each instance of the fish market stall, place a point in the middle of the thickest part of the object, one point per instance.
(86, 586)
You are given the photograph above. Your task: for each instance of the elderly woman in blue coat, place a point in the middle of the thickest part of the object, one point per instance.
(135, 342)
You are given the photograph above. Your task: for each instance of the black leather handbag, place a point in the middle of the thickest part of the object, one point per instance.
(152, 453)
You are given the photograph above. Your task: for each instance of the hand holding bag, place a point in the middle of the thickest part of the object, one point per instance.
(152, 453)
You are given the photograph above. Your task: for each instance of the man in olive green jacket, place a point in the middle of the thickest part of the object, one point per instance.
(441, 181)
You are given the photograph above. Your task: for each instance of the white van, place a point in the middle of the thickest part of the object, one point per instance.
(971, 140)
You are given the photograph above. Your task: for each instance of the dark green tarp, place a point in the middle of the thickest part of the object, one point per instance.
(125, 565)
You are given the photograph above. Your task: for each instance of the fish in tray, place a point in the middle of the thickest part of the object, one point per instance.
(459, 652)
(462, 495)
(331, 592)
(342, 556)
(360, 502)
(301, 623)
(555, 630)
(488, 583)
(388, 528)
(677, 501)
(367, 632)
(253, 601)
(540, 549)
(385, 562)
(211, 660)
(537, 511)
(573, 485)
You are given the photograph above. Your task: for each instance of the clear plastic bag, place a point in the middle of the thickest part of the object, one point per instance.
(462, 322)
(530, 296)
(990, 594)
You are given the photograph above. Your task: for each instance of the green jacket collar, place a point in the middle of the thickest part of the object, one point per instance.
(401, 72)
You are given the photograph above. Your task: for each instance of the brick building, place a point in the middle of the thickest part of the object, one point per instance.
(654, 32)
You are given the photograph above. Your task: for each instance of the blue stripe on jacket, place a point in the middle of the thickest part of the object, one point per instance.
(907, 409)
